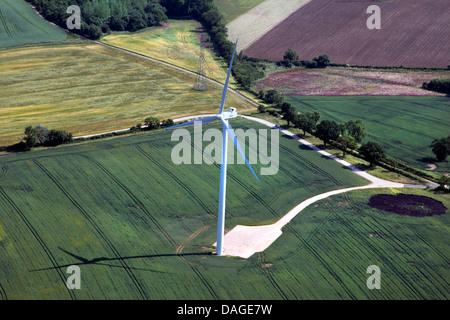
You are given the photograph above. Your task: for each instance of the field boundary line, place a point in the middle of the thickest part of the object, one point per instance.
(167, 64)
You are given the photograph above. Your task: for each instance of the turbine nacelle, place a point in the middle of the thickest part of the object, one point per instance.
(231, 113)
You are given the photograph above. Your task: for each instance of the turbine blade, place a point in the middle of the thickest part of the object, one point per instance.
(234, 138)
(205, 120)
(225, 88)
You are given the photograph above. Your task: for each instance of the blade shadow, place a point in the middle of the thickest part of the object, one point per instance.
(102, 261)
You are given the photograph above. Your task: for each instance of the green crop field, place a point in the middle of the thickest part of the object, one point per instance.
(139, 226)
(324, 253)
(89, 88)
(233, 9)
(405, 126)
(20, 24)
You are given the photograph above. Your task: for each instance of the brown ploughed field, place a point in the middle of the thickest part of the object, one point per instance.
(414, 33)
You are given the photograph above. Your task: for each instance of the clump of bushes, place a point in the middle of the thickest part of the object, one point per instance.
(291, 58)
(41, 136)
(438, 85)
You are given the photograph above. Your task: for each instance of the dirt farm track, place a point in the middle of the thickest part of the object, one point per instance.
(414, 33)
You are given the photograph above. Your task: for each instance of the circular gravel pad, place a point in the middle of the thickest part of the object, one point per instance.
(408, 204)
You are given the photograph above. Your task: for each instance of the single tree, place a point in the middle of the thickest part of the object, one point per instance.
(290, 115)
(356, 129)
(289, 57)
(274, 97)
(372, 151)
(441, 148)
(42, 134)
(315, 116)
(327, 130)
(285, 106)
(261, 94)
(30, 138)
(306, 122)
(57, 137)
(346, 142)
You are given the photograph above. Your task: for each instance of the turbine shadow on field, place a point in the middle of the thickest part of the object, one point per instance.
(102, 260)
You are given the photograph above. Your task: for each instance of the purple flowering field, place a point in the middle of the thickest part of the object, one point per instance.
(346, 81)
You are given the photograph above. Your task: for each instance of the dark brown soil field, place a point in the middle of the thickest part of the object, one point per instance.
(407, 204)
(414, 33)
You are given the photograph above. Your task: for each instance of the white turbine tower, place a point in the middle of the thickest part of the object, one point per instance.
(227, 131)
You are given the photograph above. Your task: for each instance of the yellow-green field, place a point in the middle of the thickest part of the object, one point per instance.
(89, 88)
(177, 42)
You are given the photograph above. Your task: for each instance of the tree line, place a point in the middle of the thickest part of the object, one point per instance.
(102, 16)
(345, 136)
(291, 58)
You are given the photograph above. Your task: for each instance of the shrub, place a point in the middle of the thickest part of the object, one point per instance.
(441, 148)
(262, 109)
(439, 85)
(57, 137)
(274, 97)
(167, 123)
(372, 152)
(152, 123)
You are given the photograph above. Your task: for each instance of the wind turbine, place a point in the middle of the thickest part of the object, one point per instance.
(227, 131)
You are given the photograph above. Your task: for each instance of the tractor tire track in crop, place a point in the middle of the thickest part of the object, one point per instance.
(3, 295)
(3, 171)
(305, 243)
(174, 177)
(108, 242)
(167, 235)
(328, 268)
(310, 163)
(243, 185)
(395, 244)
(5, 25)
(181, 247)
(268, 274)
(41, 242)
(368, 244)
